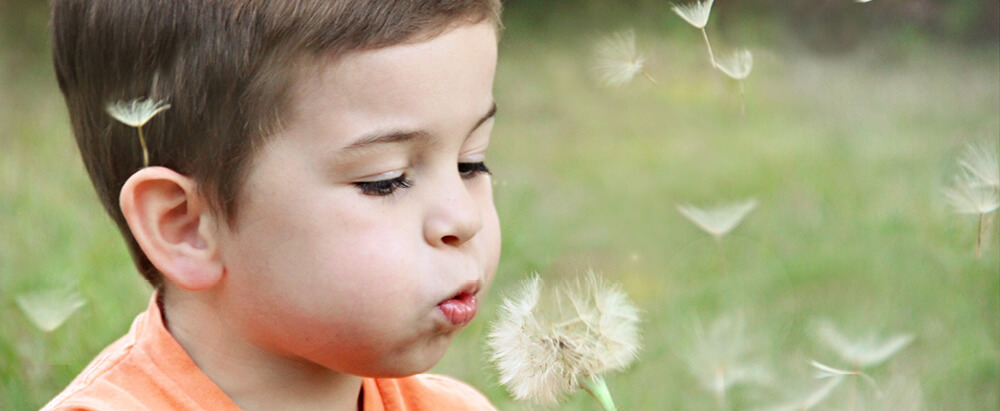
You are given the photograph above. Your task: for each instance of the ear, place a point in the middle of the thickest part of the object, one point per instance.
(174, 226)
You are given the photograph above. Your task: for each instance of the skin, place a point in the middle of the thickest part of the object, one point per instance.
(320, 282)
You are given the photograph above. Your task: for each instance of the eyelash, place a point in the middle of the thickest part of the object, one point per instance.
(469, 170)
(383, 188)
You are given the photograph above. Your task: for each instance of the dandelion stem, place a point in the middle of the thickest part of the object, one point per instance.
(708, 44)
(979, 236)
(145, 152)
(597, 388)
(649, 77)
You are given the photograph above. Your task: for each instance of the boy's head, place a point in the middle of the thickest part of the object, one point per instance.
(226, 67)
(316, 191)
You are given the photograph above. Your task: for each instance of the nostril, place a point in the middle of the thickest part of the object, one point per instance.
(450, 240)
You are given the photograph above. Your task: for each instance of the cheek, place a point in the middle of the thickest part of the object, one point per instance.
(492, 239)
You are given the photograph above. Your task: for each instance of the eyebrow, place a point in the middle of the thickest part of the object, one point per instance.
(379, 137)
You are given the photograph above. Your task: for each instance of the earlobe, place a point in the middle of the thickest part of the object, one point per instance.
(174, 226)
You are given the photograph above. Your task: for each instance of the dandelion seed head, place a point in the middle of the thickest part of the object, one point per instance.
(618, 60)
(737, 65)
(588, 328)
(695, 13)
(720, 220)
(861, 353)
(49, 309)
(136, 113)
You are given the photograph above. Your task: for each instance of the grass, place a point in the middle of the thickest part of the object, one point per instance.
(846, 154)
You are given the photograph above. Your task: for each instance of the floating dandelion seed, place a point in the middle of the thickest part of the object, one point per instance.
(861, 353)
(721, 357)
(697, 14)
(826, 371)
(899, 393)
(48, 310)
(737, 66)
(591, 330)
(969, 194)
(980, 161)
(618, 61)
(977, 189)
(720, 220)
(812, 398)
(136, 113)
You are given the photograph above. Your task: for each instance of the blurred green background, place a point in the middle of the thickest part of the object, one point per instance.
(855, 114)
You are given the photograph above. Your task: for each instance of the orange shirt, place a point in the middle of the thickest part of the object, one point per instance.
(148, 370)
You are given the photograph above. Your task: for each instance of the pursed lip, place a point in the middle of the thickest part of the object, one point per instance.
(460, 307)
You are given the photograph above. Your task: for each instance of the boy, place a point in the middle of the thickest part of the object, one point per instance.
(316, 216)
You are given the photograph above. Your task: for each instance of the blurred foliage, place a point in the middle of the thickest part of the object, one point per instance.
(823, 25)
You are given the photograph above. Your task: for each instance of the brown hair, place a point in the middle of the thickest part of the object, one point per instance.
(226, 67)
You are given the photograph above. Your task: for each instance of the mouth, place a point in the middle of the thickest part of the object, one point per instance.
(460, 309)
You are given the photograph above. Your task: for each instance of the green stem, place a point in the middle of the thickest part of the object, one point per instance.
(598, 389)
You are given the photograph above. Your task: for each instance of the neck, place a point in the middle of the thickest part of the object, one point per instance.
(254, 378)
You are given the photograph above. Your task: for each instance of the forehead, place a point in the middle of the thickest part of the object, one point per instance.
(397, 82)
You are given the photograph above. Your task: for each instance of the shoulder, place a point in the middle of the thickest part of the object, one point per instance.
(435, 392)
(92, 388)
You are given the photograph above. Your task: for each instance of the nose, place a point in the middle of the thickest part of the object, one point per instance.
(454, 216)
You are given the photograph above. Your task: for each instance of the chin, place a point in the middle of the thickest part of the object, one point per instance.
(419, 360)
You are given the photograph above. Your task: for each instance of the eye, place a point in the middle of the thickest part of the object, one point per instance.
(470, 170)
(382, 188)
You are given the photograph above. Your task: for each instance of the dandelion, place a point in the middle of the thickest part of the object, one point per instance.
(585, 330)
(618, 61)
(862, 353)
(136, 113)
(720, 220)
(696, 14)
(737, 66)
(721, 357)
(48, 310)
